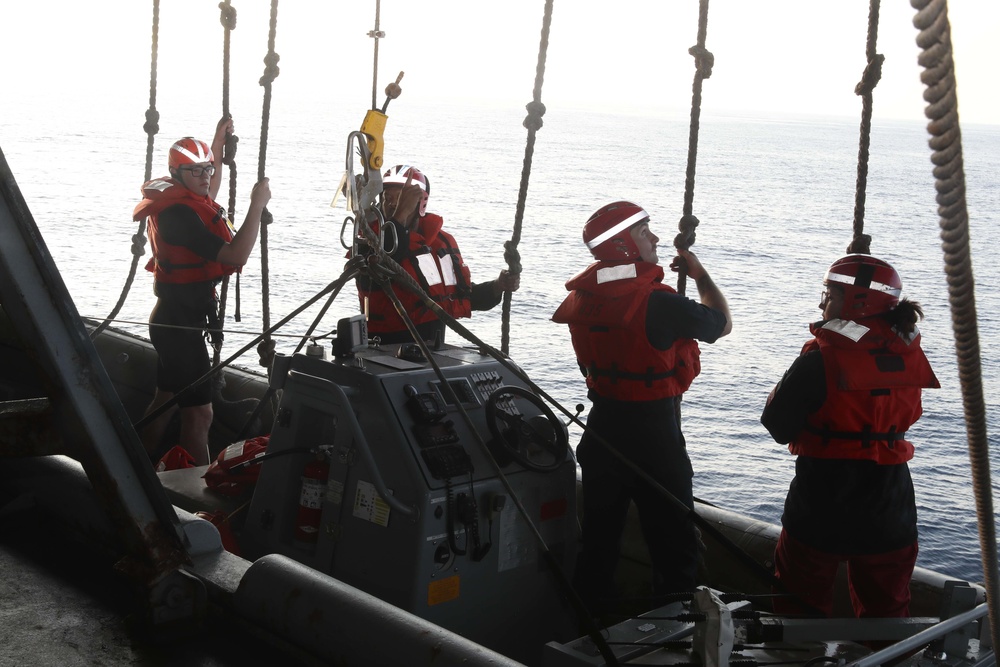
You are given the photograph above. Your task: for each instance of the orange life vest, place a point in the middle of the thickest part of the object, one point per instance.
(435, 262)
(174, 263)
(606, 314)
(874, 379)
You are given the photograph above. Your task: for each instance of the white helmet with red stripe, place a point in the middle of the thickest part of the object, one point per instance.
(403, 174)
(871, 286)
(189, 151)
(607, 231)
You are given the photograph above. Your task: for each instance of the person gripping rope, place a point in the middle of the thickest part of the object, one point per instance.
(194, 245)
(843, 408)
(636, 341)
(430, 256)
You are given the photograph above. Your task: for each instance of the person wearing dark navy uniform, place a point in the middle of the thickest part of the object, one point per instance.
(843, 408)
(636, 341)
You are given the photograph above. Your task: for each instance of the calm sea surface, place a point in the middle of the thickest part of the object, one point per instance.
(775, 198)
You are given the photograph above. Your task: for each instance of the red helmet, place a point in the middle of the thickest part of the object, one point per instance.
(870, 285)
(189, 151)
(402, 174)
(607, 232)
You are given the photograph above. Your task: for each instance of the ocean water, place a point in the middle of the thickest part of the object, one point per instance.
(775, 197)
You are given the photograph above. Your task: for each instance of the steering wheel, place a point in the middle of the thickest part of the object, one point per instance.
(539, 442)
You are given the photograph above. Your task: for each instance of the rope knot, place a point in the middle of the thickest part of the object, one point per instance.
(512, 257)
(703, 60)
(533, 121)
(270, 68)
(139, 244)
(860, 244)
(686, 238)
(871, 77)
(227, 15)
(265, 349)
(229, 151)
(265, 217)
(152, 124)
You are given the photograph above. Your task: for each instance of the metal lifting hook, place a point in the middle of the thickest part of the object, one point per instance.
(362, 191)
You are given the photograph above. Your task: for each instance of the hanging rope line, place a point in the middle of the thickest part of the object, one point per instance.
(861, 242)
(227, 16)
(151, 127)
(533, 123)
(703, 63)
(934, 41)
(266, 348)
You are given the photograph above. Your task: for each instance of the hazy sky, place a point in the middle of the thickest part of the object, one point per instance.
(772, 56)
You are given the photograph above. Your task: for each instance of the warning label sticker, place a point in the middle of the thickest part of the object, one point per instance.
(369, 506)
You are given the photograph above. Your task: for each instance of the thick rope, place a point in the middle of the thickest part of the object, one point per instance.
(266, 348)
(949, 174)
(227, 16)
(861, 242)
(703, 63)
(533, 123)
(151, 127)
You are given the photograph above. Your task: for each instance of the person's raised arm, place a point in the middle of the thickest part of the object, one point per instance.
(224, 127)
(237, 251)
(708, 292)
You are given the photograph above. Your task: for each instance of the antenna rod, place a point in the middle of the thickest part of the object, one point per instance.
(376, 34)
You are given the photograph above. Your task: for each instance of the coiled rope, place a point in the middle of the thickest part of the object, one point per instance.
(934, 41)
(703, 63)
(266, 348)
(533, 123)
(227, 16)
(151, 127)
(861, 243)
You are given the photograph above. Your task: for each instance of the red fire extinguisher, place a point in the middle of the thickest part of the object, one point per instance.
(311, 500)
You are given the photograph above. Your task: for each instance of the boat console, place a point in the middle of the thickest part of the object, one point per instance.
(387, 478)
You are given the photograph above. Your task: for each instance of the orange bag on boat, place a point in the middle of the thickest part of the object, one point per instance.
(236, 468)
(176, 458)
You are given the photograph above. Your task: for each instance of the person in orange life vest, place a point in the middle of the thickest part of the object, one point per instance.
(194, 246)
(432, 257)
(635, 340)
(843, 407)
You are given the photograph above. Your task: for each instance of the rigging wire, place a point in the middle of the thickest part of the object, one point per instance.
(151, 127)
(533, 123)
(704, 60)
(266, 348)
(934, 40)
(350, 270)
(861, 243)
